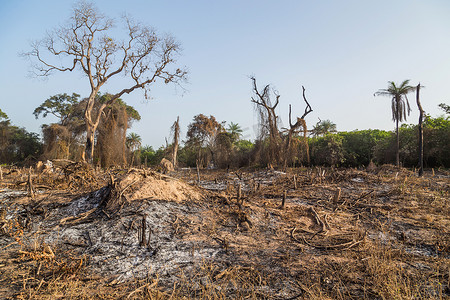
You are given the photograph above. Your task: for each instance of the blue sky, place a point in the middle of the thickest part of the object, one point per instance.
(341, 51)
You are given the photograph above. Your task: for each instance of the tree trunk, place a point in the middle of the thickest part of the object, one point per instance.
(92, 123)
(133, 154)
(176, 136)
(91, 127)
(174, 155)
(124, 144)
(420, 131)
(89, 150)
(397, 148)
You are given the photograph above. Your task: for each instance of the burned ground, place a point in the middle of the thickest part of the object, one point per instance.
(341, 233)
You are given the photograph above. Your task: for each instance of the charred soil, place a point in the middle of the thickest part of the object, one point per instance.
(300, 234)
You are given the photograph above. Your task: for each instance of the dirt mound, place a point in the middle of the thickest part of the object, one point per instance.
(143, 184)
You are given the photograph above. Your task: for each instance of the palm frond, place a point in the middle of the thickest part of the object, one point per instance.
(400, 105)
(382, 92)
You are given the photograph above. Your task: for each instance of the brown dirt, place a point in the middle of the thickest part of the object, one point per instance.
(139, 184)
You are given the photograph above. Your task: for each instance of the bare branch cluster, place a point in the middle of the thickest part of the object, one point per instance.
(269, 124)
(266, 110)
(87, 44)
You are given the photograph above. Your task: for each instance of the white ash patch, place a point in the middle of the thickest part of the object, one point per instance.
(113, 247)
(248, 182)
(8, 193)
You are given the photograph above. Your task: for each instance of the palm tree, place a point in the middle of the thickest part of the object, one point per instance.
(235, 131)
(323, 127)
(3, 115)
(400, 106)
(133, 143)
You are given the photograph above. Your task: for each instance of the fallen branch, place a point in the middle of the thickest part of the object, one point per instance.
(124, 189)
(342, 246)
(292, 235)
(362, 197)
(43, 187)
(318, 221)
(77, 218)
(75, 244)
(326, 222)
(304, 230)
(148, 286)
(356, 201)
(346, 245)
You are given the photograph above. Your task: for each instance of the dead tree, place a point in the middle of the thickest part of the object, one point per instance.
(268, 119)
(420, 131)
(294, 128)
(112, 136)
(176, 136)
(87, 44)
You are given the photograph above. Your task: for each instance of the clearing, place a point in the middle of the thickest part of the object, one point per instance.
(304, 233)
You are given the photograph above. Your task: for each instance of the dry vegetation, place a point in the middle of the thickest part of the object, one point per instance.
(339, 233)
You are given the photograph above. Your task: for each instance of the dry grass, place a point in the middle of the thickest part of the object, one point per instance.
(386, 236)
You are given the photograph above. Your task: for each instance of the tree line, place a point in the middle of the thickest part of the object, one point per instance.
(212, 143)
(326, 146)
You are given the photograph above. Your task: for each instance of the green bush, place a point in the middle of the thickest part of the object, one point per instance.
(17, 145)
(359, 146)
(327, 150)
(152, 157)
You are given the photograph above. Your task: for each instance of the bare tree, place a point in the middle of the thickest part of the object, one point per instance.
(268, 118)
(87, 44)
(294, 129)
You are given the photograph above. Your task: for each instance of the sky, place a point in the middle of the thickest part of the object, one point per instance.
(342, 52)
